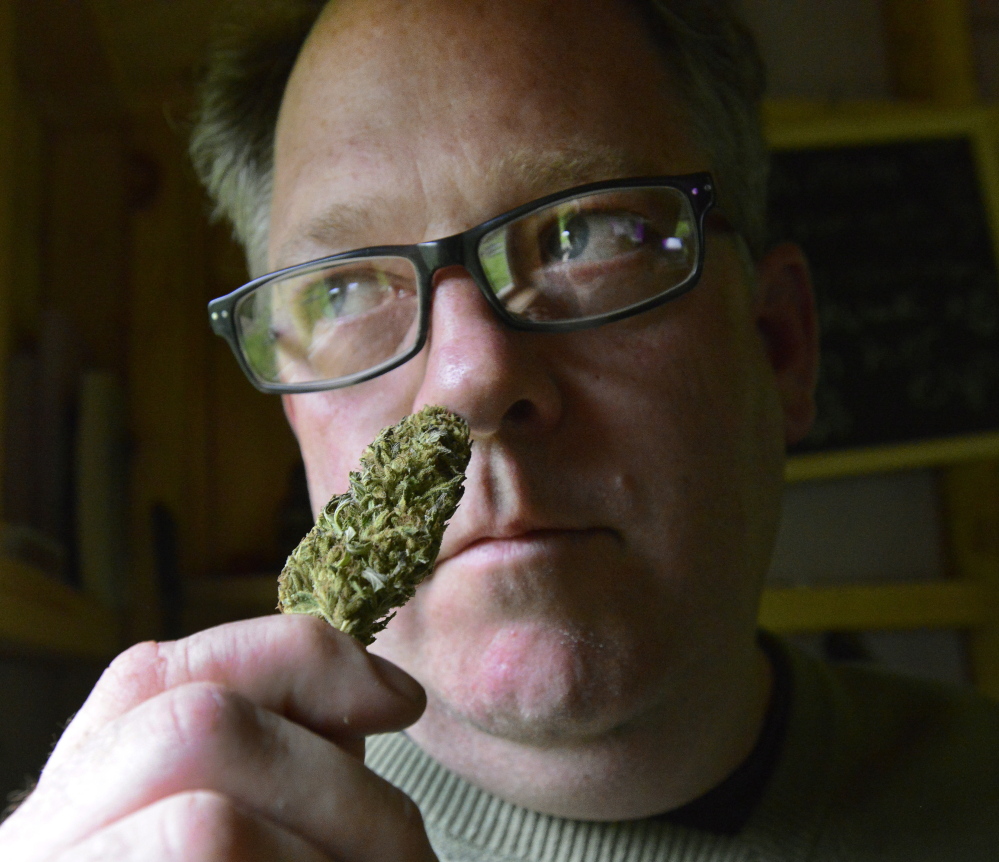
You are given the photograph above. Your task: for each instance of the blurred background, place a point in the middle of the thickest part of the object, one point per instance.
(146, 490)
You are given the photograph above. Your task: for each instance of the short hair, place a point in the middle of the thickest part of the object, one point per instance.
(706, 46)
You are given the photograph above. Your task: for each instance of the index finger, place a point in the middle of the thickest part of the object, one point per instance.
(295, 665)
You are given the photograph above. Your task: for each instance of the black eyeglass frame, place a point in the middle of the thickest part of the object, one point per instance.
(462, 249)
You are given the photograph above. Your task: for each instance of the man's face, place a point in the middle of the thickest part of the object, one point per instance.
(623, 491)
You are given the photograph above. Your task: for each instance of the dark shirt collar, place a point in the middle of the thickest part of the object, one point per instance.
(726, 808)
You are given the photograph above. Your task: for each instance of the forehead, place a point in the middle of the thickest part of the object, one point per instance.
(428, 116)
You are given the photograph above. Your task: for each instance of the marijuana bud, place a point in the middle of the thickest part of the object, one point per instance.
(372, 546)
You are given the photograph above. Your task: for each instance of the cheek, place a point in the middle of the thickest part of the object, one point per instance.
(687, 409)
(686, 372)
(324, 437)
(333, 429)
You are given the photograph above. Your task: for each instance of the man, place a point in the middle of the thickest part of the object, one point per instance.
(591, 682)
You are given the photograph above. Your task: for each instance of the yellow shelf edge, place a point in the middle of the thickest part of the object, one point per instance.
(40, 613)
(891, 457)
(796, 124)
(955, 604)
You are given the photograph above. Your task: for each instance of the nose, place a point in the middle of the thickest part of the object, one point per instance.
(496, 377)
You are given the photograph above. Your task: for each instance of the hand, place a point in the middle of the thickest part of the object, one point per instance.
(244, 742)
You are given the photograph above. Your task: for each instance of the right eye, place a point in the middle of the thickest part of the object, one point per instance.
(337, 296)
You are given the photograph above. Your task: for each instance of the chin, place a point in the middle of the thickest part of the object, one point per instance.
(534, 643)
(537, 682)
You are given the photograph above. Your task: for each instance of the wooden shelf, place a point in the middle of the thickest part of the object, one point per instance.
(939, 604)
(883, 459)
(39, 613)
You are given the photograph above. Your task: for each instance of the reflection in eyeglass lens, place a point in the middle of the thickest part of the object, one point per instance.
(332, 322)
(592, 255)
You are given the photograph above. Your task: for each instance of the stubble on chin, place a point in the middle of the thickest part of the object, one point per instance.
(543, 686)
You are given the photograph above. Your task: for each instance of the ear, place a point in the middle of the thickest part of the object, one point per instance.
(787, 323)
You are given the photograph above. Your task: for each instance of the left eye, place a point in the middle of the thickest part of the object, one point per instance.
(594, 237)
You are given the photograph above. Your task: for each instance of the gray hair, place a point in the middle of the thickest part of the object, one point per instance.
(709, 51)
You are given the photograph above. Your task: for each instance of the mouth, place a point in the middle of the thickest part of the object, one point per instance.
(513, 546)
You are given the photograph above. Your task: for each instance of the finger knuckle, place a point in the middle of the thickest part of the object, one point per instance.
(206, 825)
(140, 666)
(200, 714)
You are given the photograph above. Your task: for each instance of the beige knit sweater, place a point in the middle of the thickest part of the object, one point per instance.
(874, 767)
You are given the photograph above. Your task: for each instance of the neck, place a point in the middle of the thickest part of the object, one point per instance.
(670, 754)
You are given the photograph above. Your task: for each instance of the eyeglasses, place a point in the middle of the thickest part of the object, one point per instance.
(573, 260)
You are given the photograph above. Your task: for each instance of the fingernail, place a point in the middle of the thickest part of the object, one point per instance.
(397, 679)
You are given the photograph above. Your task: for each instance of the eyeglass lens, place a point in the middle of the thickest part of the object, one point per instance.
(580, 258)
(591, 255)
(331, 322)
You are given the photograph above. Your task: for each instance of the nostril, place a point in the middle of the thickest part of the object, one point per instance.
(520, 411)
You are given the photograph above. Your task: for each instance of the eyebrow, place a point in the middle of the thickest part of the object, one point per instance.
(339, 220)
(538, 172)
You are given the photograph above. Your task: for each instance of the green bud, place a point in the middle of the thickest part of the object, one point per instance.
(371, 547)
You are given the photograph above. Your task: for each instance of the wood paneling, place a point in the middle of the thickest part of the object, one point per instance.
(86, 256)
(971, 496)
(43, 615)
(930, 50)
(154, 47)
(63, 66)
(167, 372)
(8, 94)
(251, 448)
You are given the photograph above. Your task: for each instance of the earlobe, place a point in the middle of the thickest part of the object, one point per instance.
(787, 322)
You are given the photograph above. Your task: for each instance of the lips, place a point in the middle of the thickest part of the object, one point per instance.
(458, 539)
(499, 546)
(511, 511)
